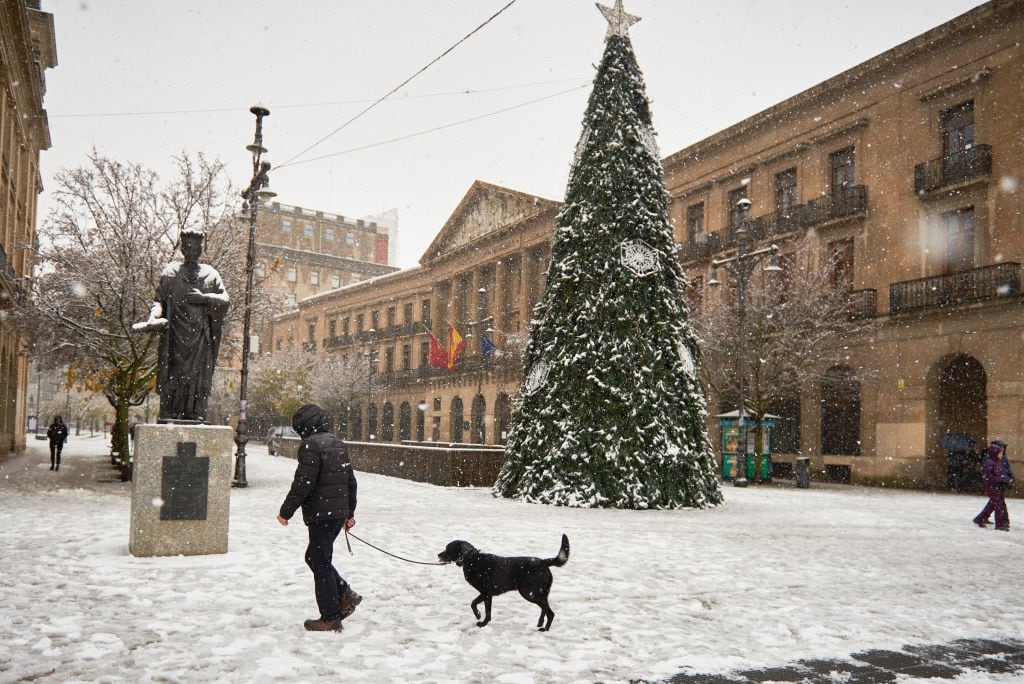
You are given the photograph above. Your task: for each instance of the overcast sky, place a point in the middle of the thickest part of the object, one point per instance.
(144, 80)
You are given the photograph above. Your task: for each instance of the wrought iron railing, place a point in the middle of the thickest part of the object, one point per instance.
(847, 202)
(958, 167)
(863, 303)
(977, 284)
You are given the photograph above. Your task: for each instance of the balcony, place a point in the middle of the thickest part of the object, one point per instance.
(850, 201)
(863, 303)
(975, 285)
(953, 169)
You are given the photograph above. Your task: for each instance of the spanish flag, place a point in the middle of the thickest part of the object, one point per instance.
(455, 345)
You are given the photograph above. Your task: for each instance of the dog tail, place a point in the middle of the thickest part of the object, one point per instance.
(563, 554)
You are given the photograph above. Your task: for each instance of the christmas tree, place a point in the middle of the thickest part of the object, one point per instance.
(610, 412)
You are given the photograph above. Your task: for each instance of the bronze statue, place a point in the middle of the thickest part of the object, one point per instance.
(188, 312)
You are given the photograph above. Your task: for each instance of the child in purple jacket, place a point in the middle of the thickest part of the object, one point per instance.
(995, 478)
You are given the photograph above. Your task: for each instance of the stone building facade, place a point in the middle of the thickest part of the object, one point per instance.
(481, 275)
(907, 168)
(304, 252)
(27, 49)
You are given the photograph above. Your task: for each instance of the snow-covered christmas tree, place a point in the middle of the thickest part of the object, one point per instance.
(610, 412)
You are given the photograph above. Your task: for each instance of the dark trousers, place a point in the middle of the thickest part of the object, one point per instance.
(56, 446)
(997, 503)
(327, 583)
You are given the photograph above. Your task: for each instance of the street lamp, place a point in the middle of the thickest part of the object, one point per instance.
(741, 265)
(257, 192)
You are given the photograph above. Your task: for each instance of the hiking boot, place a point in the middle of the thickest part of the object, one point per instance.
(348, 602)
(980, 522)
(1003, 528)
(322, 625)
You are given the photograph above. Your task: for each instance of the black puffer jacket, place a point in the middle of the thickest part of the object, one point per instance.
(324, 484)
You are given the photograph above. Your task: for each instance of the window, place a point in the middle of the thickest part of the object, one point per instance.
(308, 230)
(425, 312)
(955, 240)
(314, 277)
(695, 222)
(391, 317)
(785, 191)
(375, 320)
(359, 323)
(424, 354)
(406, 357)
(842, 167)
(389, 360)
(311, 328)
(734, 209)
(407, 314)
(335, 281)
(286, 226)
(328, 233)
(291, 300)
(278, 344)
(332, 327)
(344, 325)
(957, 132)
(293, 274)
(841, 256)
(350, 238)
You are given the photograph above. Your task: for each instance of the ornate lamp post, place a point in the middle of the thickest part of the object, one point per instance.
(741, 266)
(257, 192)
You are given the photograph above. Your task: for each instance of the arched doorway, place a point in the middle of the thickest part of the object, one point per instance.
(404, 422)
(387, 422)
(421, 420)
(355, 423)
(478, 414)
(840, 412)
(457, 418)
(371, 423)
(502, 418)
(957, 401)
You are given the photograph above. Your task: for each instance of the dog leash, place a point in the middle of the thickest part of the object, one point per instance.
(387, 553)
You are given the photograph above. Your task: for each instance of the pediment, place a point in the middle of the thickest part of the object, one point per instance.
(484, 209)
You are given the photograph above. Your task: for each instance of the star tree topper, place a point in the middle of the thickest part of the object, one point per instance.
(619, 20)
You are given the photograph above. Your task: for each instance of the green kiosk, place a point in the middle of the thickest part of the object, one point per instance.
(731, 438)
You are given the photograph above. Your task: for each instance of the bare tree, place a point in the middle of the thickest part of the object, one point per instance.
(114, 227)
(798, 322)
(281, 383)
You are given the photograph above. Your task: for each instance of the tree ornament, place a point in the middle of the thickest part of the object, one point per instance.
(639, 257)
(537, 377)
(619, 20)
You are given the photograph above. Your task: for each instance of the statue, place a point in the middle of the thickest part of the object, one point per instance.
(188, 312)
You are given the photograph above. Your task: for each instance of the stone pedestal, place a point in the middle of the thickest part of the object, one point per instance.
(181, 490)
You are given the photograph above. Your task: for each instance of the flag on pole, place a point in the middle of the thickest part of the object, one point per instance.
(438, 355)
(455, 345)
(486, 345)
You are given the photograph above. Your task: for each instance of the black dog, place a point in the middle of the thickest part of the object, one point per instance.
(492, 575)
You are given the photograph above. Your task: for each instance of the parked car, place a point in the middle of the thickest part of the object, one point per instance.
(275, 437)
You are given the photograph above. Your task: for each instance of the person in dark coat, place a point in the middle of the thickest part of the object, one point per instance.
(993, 474)
(57, 434)
(324, 488)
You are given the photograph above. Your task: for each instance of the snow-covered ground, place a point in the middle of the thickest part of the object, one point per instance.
(773, 575)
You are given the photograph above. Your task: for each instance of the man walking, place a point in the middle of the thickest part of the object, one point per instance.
(324, 487)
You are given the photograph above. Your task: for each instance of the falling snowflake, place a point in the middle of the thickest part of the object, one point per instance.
(639, 257)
